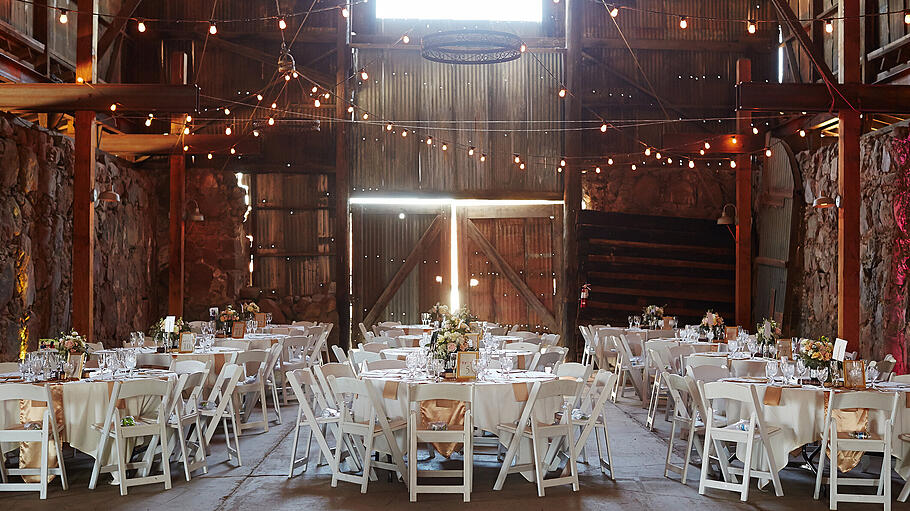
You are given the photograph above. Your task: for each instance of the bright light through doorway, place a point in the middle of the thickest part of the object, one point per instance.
(497, 10)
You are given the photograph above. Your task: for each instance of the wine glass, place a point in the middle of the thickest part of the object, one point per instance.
(786, 370)
(506, 362)
(710, 335)
(129, 359)
(479, 366)
(801, 368)
(822, 374)
(771, 370)
(412, 363)
(636, 321)
(631, 321)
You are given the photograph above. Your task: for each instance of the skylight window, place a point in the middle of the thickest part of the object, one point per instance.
(497, 10)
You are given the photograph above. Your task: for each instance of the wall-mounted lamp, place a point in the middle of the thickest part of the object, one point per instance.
(726, 218)
(196, 215)
(825, 202)
(106, 196)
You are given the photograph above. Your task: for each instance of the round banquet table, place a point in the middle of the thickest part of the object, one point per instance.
(82, 404)
(523, 357)
(415, 329)
(218, 355)
(800, 415)
(496, 401)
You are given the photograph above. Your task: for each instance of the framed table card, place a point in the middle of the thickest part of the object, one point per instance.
(730, 332)
(238, 329)
(854, 374)
(464, 370)
(784, 349)
(78, 361)
(187, 342)
(260, 319)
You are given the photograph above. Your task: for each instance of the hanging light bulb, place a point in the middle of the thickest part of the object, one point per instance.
(523, 48)
(345, 12)
(657, 155)
(227, 111)
(429, 140)
(350, 109)
(274, 105)
(559, 170)
(829, 26)
(802, 133)
(186, 148)
(388, 127)
(140, 26)
(516, 158)
(365, 116)
(258, 97)
(233, 151)
(750, 27)
(471, 151)
(212, 28)
(733, 140)
(209, 156)
(228, 130)
(669, 160)
(406, 39)
(562, 92)
(647, 151)
(282, 24)
(634, 167)
(445, 147)
(271, 121)
(483, 157)
(597, 170)
(691, 164)
(363, 75)
(189, 118)
(404, 133)
(562, 162)
(326, 95)
(255, 133)
(521, 165)
(317, 103)
(707, 145)
(294, 74)
(609, 161)
(603, 128)
(63, 17)
(683, 22)
(732, 164)
(148, 122)
(79, 79)
(186, 130)
(287, 78)
(768, 152)
(701, 152)
(113, 107)
(906, 17)
(754, 130)
(614, 11)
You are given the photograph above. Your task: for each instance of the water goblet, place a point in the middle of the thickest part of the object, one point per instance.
(872, 374)
(710, 335)
(631, 321)
(801, 368)
(636, 321)
(478, 366)
(786, 370)
(822, 374)
(506, 362)
(771, 370)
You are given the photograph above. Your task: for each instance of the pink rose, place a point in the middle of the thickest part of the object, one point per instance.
(450, 347)
(69, 343)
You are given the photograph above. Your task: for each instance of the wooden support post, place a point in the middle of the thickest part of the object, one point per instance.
(342, 185)
(743, 302)
(177, 65)
(84, 178)
(848, 167)
(568, 284)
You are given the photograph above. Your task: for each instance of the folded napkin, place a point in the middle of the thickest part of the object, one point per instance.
(772, 395)
(520, 390)
(390, 390)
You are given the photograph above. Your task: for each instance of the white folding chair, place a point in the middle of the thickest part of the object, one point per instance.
(541, 434)
(877, 441)
(550, 359)
(367, 429)
(630, 366)
(420, 431)
(747, 368)
(219, 409)
(522, 346)
(601, 388)
(323, 374)
(688, 416)
(743, 431)
(293, 357)
(375, 346)
(658, 389)
(304, 384)
(153, 426)
(386, 364)
(367, 335)
(339, 353)
(708, 373)
(191, 366)
(184, 414)
(251, 390)
(48, 436)
(587, 353)
(236, 344)
(701, 360)
(360, 356)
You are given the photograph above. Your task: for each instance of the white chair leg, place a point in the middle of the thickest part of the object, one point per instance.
(44, 467)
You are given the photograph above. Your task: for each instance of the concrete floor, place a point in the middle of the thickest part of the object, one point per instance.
(262, 483)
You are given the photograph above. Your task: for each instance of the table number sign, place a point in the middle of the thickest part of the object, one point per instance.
(854, 374)
(260, 319)
(730, 332)
(238, 329)
(840, 350)
(187, 342)
(784, 349)
(78, 362)
(464, 370)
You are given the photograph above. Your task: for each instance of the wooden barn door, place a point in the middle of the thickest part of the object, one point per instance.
(400, 263)
(509, 263)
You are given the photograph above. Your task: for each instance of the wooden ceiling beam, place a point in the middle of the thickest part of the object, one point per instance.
(692, 143)
(818, 98)
(69, 97)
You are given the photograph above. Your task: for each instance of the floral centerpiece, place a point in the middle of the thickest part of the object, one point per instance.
(463, 315)
(714, 323)
(250, 309)
(652, 315)
(226, 319)
(438, 312)
(157, 331)
(71, 344)
(451, 338)
(767, 332)
(816, 354)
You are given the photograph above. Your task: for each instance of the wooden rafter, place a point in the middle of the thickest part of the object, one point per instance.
(417, 254)
(117, 25)
(511, 275)
(797, 30)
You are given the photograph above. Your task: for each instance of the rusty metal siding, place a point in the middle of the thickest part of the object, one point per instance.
(417, 93)
(774, 207)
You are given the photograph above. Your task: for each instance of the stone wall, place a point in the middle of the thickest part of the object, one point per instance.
(36, 168)
(670, 191)
(884, 223)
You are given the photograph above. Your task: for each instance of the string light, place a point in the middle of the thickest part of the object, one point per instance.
(317, 103)
(388, 127)
(829, 26)
(365, 116)
(906, 17)
(227, 111)
(647, 151)
(79, 79)
(113, 107)
(233, 151)
(483, 157)
(345, 12)
(326, 95)
(732, 164)
(768, 152)
(406, 39)
(212, 28)
(274, 105)
(404, 133)
(562, 162)
(669, 160)
(63, 17)
(701, 152)
(287, 78)
(683, 22)
(258, 97)
(802, 133)
(148, 122)
(189, 118)
(516, 158)
(634, 167)
(209, 156)
(523, 48)
(429, 140)
(471, 151)
(186, 148)
(363, 75)
(657, 155)
(707, 145)
(521, 166)
(315, 89)
(603, 128)
(255, 133)
(282, 24)
(750, 26)
(691, 164)
(140, 26)
(609, 161)
(271, 121)
(350, 109)
(733, 140)
(559, 170)
(295, 74)
(562, 92)
(754, 130)
(597, 170)
(228, 130)
(445, 147)
(186, 130)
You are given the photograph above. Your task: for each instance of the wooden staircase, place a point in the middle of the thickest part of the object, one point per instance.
(685, 265)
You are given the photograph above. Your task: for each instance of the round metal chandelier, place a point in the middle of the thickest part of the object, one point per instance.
(471, 47)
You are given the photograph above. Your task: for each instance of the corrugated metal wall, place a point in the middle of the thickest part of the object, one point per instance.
(774, 206)
(404, 87)
(382, 242)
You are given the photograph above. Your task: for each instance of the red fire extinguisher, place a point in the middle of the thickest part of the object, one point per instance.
(585, 290)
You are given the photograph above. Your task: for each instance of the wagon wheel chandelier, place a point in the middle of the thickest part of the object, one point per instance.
(471, 47)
